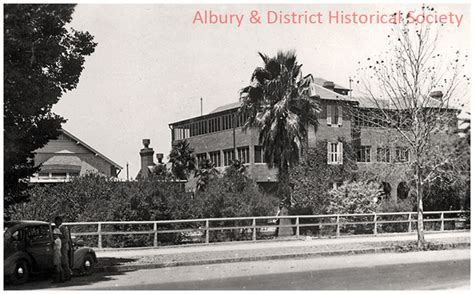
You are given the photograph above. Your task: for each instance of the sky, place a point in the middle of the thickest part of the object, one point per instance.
(152, 64)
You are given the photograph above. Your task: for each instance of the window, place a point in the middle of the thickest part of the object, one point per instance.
(43, 175)
(228, 156)
(214, 124)
(211, 126)
(215, 157)
(18, 235)
(258, 154)
(181, 132)
(227, 122)
(383, 154)
(241, 119)
(38, 233)
(243, 154)
(401, 154)
(403, 190)
(335, 152)
(200, 157)
(363, 154)
(58, 175)
(334, 115)
(217, 121)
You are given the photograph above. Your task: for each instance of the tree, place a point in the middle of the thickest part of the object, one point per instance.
(450, 189)
(43, 59)
(413, 89)
(182, 159)
(204, 174)
(278, 103)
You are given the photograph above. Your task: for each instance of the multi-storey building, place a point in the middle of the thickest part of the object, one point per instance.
(220, 137)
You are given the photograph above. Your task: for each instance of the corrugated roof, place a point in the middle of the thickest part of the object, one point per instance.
(226, 107)
(320, 81)
(367, 102)
(323, 93)
(316, 90)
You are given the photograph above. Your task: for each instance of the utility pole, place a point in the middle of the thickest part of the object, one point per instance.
(201, 106)
(127, 173)
(350, 87)
(234, 125)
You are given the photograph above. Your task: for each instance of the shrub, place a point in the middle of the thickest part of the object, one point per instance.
(232, 195)
(354, 197)
(390, 205)
(96, 198)
(351, 198)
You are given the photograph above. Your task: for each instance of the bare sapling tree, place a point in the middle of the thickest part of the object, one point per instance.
(416, 91)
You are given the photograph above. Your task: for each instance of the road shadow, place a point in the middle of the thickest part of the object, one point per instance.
(113, 261)
(44, 281)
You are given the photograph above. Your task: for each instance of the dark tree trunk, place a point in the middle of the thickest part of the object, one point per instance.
(284, 190)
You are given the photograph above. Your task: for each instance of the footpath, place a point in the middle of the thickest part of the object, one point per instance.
(127, 259)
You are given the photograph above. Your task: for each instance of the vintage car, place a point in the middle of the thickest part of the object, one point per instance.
(28, 249)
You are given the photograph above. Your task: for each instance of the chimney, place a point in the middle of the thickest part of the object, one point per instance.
(159, 157)
(329, 85)
(436, 95)
(146, 155)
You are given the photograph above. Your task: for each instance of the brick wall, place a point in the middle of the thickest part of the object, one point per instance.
(392, 173)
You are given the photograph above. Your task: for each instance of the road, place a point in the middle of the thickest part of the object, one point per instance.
(387, 271)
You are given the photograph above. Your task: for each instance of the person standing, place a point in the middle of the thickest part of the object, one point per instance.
(58, 270)
(66, 247)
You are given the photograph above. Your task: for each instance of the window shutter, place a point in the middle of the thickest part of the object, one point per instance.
(340, 152)
(329, 114)
(329, 152)
(339, 115)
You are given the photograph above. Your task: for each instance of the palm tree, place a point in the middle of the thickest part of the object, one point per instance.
(182, 159)
(278, 102)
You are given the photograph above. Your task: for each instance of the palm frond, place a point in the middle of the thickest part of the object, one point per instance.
(279, 103)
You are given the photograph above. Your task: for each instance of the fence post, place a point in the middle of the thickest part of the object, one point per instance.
(99, 232)
(442, 221)
(254, 230)
(207, 231)
(297, 227)
(409, 223)
(375, 223)
(155, 237)
(338, 228)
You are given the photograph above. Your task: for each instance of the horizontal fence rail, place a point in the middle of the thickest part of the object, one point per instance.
(209, 230)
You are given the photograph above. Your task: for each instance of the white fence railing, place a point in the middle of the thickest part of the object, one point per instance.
(261, 226)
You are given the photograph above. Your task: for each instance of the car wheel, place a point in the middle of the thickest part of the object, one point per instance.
(21, 272)
(87, 265)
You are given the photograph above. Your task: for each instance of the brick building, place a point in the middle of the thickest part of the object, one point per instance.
(377, 149)
(66, 157)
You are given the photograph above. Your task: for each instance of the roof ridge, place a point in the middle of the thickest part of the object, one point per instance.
(67, 133)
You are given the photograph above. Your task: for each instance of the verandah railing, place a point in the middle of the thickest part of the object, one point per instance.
(168, 232)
